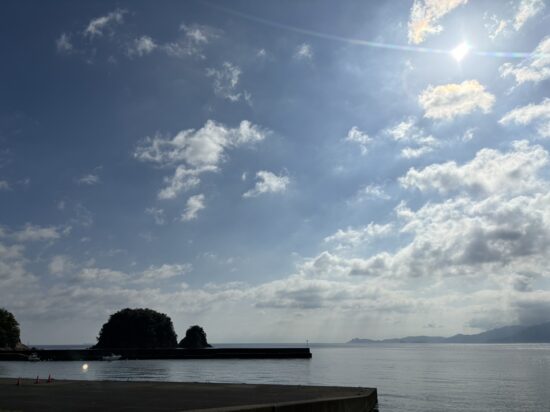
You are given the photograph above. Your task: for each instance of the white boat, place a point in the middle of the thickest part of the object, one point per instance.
(33, 357)
(111, 357)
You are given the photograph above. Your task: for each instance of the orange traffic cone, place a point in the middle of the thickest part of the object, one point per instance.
(18, 382)
(37, 379)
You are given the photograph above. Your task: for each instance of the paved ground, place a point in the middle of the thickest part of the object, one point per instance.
(167, 396)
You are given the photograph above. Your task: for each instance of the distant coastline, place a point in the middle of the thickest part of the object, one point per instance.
(507, 334)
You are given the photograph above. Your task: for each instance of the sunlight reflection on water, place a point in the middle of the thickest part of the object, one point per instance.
(408, 377)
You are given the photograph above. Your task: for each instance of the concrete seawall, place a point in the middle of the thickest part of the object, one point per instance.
(87, 396)
(131, 353)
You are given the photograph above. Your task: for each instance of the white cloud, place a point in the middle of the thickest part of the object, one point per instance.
(371, 192)
(489, 172)
(194, 152)
(61, 265)
(526, 10)
(142, 46)
(361, 138)
(268, 183)
(199, 34)
(538, 114)
(194, 205)
(97, 26)
(4, 185)
(417, 142)
(31, 233)
(451, 100)
(225, 80)
(303, 52)
(157, 213)
(534, 69)
(523, 10)
(425, 16)
(102, 275)
(355, 236)
(162, 272)
(89, 179)
(63, 43)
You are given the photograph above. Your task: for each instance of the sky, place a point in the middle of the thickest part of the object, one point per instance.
(275, 171)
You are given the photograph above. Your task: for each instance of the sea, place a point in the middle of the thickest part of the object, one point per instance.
(408, 377)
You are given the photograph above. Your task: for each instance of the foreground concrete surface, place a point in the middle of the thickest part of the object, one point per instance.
(168, 396)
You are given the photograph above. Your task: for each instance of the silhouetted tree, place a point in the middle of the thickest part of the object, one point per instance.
(195, 338)
(9, 330)
(137, 328)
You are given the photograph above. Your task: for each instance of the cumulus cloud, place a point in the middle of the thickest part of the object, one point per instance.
(63, 43)
(451, 100)
(534, 69)
(225, 80)
(194, 205)
(416, 141)
(195, 38)
(194, 152)
(537, 114)
(489, 172)
(268, 183)
(425, 16)
(303, 52)
(361, 138)
(97, 26)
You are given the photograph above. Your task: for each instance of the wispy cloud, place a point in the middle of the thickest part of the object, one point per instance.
(448, 101)
(537, 114)
(425, 16)
(194, 205)
(523, 10)
(534, 69)
(157, 214)
(303, 52)
(142, 46)
(63, 43)
(268, 183)
(361, 138)
(225, 81)
(416, 141)
(89, 179)
(97, 26)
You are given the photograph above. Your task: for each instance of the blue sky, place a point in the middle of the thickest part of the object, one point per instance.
(275, 171)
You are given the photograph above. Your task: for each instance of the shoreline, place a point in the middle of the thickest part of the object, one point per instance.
(179, 396)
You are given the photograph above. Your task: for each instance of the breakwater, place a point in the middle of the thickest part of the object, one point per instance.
(141, 354)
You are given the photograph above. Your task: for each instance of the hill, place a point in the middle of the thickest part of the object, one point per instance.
(507, 334)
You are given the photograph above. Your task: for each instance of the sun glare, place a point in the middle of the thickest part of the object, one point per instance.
(460, 51)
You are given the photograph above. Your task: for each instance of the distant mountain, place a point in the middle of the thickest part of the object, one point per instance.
(508, 334)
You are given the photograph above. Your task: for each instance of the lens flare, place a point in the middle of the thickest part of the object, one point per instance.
(460, 51)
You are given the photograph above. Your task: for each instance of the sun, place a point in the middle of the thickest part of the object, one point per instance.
(460, 51)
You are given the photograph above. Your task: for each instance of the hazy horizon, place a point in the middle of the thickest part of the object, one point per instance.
(275, 170)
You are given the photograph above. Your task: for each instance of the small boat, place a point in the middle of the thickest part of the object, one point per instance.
(111, 357)
(33, 357)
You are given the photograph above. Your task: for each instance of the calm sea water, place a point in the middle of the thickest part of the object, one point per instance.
(409, 377)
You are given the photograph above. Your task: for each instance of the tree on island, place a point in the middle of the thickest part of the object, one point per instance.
(137, 328)
(9, 330)
(195, 338)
